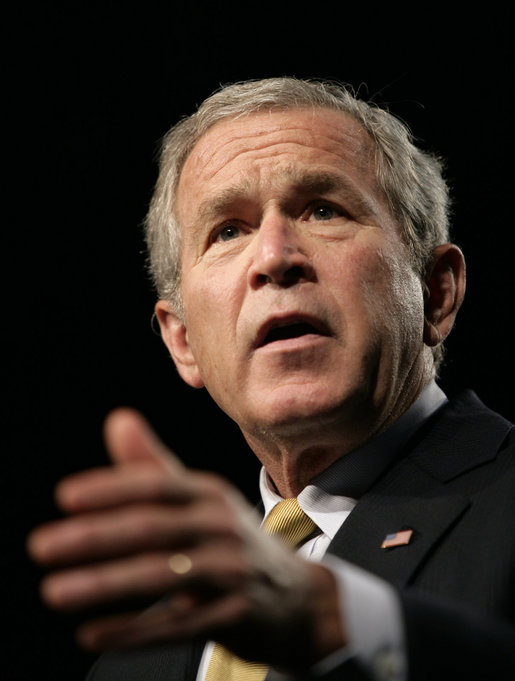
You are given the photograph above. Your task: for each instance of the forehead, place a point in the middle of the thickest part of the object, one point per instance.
(257, 146)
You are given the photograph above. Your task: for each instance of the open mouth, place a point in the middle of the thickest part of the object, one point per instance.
(289, 331)
(280, 330)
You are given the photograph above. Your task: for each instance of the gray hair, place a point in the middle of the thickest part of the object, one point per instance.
(410, 178)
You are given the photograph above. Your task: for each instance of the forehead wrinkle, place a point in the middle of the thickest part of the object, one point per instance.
(210, 159)
(234, 132)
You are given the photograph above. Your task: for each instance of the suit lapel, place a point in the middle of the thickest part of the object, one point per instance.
(412, 494)
(397, 503)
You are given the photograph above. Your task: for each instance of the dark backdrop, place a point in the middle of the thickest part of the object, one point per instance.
(89, 90)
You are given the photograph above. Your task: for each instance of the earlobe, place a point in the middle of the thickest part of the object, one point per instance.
(444, 292)
(175, 337)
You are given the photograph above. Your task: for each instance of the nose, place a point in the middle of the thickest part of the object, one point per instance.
(279, 256)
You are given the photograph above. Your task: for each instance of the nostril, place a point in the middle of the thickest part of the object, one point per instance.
(287, 277)
(263, 279)
(294, 273)
(290, 276)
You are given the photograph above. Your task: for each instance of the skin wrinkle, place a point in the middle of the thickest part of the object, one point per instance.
(205, 155)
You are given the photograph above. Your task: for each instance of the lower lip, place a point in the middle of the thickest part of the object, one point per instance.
(292, 344)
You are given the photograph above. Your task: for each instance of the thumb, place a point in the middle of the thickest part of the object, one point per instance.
(129, 438)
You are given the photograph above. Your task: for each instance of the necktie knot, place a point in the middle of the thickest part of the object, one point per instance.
(289, 522)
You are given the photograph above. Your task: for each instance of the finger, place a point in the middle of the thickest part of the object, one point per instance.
(108, 535)
(147, 575)
(131, 629)
(129, 530)
(105, 488)
(213, 570)
(130, 439)
(178, 618)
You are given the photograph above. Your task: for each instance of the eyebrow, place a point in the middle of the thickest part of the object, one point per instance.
(301, 182)
(324, 181)
(214, 206)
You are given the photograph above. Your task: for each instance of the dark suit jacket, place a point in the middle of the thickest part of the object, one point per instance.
(454, 486)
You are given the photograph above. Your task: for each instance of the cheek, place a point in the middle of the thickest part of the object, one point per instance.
(396, 298)
(210, 300)
(211, 312)
(381, 295)
(358, 278)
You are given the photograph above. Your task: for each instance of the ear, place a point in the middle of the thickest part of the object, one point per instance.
(445, 290)
(175, 337)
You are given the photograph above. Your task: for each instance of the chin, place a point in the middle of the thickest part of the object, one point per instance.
(298, 410)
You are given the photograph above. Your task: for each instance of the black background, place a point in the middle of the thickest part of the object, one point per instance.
(89, 90)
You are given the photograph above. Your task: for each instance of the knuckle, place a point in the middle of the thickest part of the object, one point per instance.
(145, 521)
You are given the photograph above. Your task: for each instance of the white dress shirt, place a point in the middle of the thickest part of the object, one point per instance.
(370, 607)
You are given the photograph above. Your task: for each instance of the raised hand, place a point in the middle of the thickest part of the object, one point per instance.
(148, 527)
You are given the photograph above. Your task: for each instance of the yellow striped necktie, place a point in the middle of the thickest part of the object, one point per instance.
(289, 522)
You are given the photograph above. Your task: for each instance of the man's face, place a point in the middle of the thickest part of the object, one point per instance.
(300, 305)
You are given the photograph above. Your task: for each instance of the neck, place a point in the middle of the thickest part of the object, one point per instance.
(292, 463)
(295, 454)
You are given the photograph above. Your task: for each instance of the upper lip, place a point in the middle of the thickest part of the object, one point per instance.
(283, 320)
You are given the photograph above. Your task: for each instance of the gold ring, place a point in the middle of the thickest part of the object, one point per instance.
(179, 563)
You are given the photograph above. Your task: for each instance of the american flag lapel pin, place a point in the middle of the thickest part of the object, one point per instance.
(397, 539)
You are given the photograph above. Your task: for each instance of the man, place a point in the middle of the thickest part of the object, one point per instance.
(299, 246)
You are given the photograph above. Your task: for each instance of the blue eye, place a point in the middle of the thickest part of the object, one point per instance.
(323, 212)
(229, 232)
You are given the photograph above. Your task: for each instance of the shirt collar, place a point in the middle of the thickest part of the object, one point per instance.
(336, 489)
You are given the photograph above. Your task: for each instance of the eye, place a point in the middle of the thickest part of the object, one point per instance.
(231, 229)
(323, 212)
(228, 233)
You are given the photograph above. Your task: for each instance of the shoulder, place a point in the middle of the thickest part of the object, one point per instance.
(464, 434)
